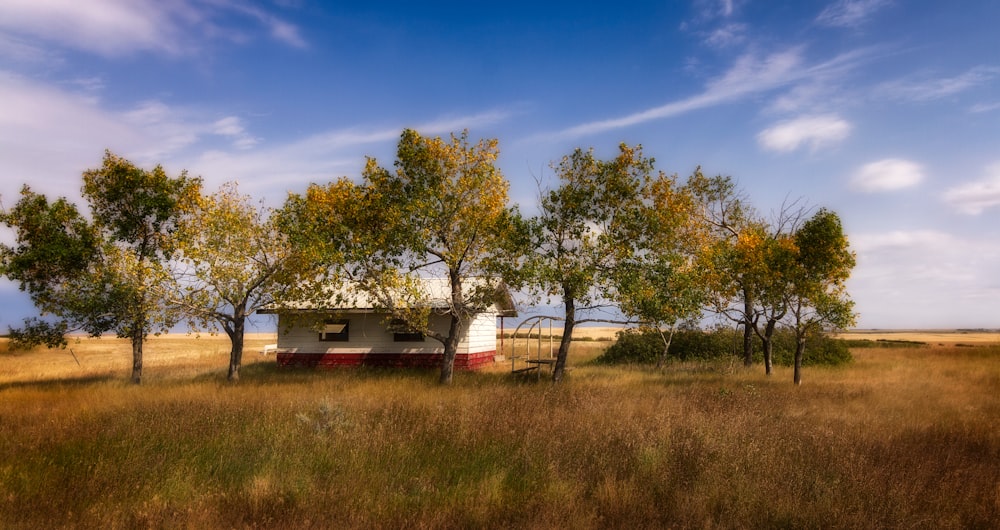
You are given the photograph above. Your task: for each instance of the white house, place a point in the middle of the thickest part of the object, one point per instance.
(357, 333)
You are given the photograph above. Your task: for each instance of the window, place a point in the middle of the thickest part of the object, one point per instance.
(403, 333)
(335, 331)
(410, 336)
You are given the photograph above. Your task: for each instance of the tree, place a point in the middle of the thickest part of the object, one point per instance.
(230, 260)
(442, 211)
(817, 296)
(576, 234)
(104, 274)
(54, 262)
(733, 223)
(765, 256)
(660, 282)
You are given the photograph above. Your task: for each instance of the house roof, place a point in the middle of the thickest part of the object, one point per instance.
(433, 292)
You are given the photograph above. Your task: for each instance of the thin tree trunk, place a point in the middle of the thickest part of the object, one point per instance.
(747, 343)
(667, 340)
(768, 345)
(567, 337)
(748, 325)
(236, 335)
(450, 350)
(800, 348)
(137, 339)
(451, 341)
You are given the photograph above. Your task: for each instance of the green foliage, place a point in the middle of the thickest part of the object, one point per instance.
(442, 211)
(230, 261)
(37, 332)
(720, 343)
(103, 274)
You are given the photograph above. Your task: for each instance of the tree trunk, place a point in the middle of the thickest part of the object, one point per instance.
(451, 341)
(567, 337)
(137, 338)
(450, 350)
(666, 345)
(800, 348)
(236, 336)
(748, 324)
(747, 344)
(768, 345)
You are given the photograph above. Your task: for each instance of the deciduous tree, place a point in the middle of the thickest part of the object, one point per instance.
(660, 281)
(734, 223)
(102, 274)
(818, 296)
(230, 260)
(577, 234)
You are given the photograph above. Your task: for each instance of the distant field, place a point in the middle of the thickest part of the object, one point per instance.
(902, 437)
(942, 337)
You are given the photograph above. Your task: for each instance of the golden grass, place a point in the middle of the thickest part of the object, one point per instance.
(901, 438)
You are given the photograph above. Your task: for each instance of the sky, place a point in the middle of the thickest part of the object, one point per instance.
(885, 111)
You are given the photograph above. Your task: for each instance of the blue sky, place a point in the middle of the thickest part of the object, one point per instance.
(886, 111)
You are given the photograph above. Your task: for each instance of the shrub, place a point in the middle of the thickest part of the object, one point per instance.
(645, 347)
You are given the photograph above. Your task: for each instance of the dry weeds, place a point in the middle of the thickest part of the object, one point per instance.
(901, 438)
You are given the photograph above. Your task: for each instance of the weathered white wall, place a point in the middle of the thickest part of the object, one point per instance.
(481, 335)
(368, 335)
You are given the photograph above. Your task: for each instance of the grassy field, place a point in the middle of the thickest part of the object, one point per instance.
(903, 437)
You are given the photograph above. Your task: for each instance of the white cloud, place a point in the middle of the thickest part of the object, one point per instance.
(70, 132)
(706, 10)
(912, 89)
(985, 107)
(749, 75)
(106, 27)
(975, 197)
(232, 127)
(944, 280)
(889, 174)
(22, 51)
(727, 36)
(320, 157)
(122, 27)
(814, 131)
(849, 13)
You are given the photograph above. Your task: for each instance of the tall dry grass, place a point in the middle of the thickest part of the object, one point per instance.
(902, 438)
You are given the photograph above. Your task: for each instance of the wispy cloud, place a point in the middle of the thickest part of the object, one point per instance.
(976, 197)
(750, 74)
(849, 13)
(232, 127)
(727, 36)
(813, 131)
(286, 166)
(927, 89)
(890, 174)
(70, 131)
(122, 27)
(985, 107)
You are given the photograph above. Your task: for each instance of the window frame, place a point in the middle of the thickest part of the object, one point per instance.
(343, 335)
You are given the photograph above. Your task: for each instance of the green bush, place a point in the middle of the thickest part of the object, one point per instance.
(645, 347)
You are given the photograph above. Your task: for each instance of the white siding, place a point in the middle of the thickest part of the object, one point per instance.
(481, 335)
(368, 335)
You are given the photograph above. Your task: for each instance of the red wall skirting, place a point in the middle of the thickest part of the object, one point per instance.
(463, 361)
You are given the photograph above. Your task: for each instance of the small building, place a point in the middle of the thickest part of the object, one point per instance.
(359, 334)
